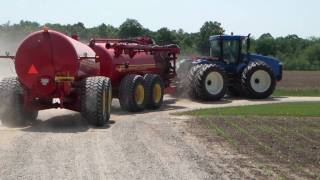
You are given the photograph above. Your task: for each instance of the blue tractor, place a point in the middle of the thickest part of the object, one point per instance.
(231, 69)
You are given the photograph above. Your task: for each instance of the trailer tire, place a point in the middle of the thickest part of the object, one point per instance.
(209, 83)
(258, 80)
(132, 93)
(96, 98)
(12, 112)
(154, 91)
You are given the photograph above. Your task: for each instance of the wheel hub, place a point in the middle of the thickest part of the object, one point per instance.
(139, 94)
(214, 83)
(260, 81)
(156, 93)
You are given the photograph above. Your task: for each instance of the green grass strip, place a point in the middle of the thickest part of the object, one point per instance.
(301, 109)
(297, 92)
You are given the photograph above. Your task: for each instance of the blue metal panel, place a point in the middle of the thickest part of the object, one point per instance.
(274, 63)
(226, 37)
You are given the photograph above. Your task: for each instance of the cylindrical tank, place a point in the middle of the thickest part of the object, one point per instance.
(116, 67)
(46, 55)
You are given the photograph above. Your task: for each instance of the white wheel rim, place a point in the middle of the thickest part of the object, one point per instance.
(260, 81)
(214, 83)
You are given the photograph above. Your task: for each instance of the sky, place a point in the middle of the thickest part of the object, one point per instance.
(278, 17)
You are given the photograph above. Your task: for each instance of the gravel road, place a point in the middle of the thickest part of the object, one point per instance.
(148, 145)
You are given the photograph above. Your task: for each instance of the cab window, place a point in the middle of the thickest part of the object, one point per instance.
(230, 51)
(215, 49)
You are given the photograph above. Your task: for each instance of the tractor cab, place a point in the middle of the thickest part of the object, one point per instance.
(230, 49)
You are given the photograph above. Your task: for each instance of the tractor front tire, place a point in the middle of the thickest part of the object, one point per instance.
(96, 98)
(209, 83)
(12, 112)
(258, 80)
(132, 93)
(154, 91)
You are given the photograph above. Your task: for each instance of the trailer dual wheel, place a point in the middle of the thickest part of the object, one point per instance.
(132, 93)
(12, 112)
(154, 91)
(209, 83)
(96, 98)
(258, 80)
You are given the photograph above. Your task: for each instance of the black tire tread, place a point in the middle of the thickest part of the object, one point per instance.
(150, 80)
(245, 80)
(190, 80)
(92, 99)
(197, 83)
(126, 93)
(12, 113)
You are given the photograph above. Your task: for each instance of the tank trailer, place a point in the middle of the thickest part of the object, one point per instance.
(57, 71)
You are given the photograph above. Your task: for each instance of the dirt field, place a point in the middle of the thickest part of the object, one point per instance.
(287, 147)
(300, 80)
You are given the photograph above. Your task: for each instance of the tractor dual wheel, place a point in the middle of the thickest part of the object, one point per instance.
(190, 80)
(132, 93)
(96, 98)
(209, 82)
(12, 112)
(258, 80)
(154, 91)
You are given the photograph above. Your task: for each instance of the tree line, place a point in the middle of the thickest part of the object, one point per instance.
(295, 52)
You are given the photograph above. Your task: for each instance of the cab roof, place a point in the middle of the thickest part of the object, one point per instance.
(227, 37)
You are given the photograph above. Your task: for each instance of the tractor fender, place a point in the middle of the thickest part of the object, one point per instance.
(221, 64)
(275, 64)
(240, 68)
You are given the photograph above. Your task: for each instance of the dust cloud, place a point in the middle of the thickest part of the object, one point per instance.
(8, 44)
(183, 83)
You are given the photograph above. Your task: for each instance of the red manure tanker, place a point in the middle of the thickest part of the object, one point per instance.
(57, 71)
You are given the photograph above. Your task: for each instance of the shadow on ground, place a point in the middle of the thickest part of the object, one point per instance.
(68, 123)
(168, 105)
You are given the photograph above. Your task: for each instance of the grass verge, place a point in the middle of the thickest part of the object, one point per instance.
(285, 134)
(303, 109)
(297, 92)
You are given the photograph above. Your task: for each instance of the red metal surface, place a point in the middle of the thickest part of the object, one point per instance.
(50, 65)
(44, 55)
(135, 56)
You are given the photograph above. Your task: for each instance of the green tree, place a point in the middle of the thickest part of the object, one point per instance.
(131, 28)
(165, 36)
(312, 55)
(104, 31)
(266, 45)
(208, 29)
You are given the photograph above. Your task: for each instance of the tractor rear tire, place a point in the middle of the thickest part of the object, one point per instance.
(12, 112)
(154, 91)
(258, 80)
(190, 80)
(132, 93)
(96, 98)
(209, 83)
